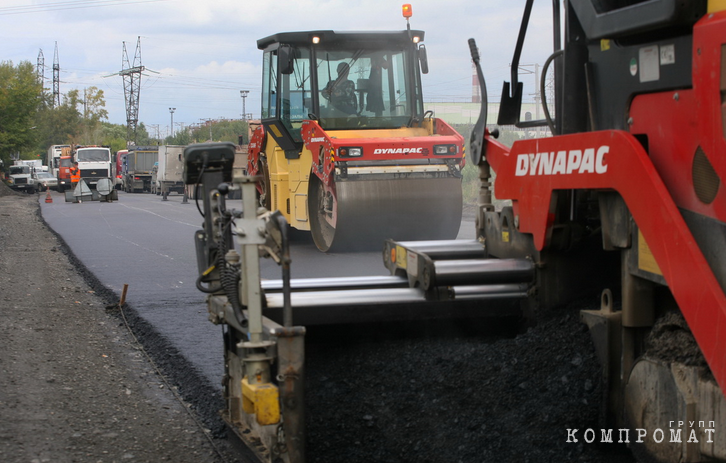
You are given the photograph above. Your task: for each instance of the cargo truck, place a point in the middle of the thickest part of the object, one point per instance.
(20, 178)
(140, 161)
(167, 175)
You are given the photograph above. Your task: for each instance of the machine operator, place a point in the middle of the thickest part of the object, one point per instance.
(341, 91)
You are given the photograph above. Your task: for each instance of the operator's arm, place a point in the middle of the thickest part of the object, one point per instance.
(328, 90)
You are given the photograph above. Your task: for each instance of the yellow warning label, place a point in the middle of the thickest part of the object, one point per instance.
(646, 261)
(505, 236)
(401, 256)
(604, 45)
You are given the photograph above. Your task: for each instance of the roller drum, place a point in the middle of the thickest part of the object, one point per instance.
(364, 213)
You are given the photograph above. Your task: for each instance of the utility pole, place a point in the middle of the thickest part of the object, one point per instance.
(243, 94)
(171, 111)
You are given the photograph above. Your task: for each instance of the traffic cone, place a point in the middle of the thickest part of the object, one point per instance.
(48, 198)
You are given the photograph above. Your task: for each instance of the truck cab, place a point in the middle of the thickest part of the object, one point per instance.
(63, 172)
(95, 164)
(20, 178)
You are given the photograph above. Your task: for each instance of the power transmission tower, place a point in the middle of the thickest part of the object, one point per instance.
(40, 67)
(56, 78)
(132, 86)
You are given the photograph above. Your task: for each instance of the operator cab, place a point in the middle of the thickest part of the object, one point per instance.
(344, 80)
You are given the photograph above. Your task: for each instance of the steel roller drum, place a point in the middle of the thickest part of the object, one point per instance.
(367, 212)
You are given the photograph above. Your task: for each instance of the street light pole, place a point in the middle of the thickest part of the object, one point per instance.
(171, 111)
(243, 94)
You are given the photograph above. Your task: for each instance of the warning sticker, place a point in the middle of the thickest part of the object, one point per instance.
(649, 60)
(412, 263)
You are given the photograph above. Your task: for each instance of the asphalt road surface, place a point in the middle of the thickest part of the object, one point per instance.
(484, 397)
(148, 244)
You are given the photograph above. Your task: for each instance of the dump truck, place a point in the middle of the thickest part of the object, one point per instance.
(140, 160)
(623, 199)
(354, 161)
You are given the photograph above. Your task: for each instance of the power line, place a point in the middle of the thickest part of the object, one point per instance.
(69, 5)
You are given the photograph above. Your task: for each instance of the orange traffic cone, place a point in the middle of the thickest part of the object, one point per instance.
(48, 198)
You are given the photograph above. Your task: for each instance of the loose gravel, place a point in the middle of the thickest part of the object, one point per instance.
(74, 384)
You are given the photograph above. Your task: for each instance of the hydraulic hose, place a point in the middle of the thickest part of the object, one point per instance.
(229, 273)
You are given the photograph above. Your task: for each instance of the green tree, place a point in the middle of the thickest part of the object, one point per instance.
(58, 125)
(142, 136)
(91, 107)
(77, 120)
(113, 135)
(225, 130)
(182, 137)
(20, 99)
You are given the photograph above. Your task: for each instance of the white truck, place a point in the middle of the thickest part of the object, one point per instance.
(166, 176)
(20, 176)
(98, 174)
(95, 163)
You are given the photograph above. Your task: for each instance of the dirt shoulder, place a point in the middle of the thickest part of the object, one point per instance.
(74, 385)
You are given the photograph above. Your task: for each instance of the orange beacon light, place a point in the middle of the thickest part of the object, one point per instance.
(407, 11)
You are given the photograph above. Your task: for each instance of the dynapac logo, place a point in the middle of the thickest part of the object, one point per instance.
(418, 150)
(317, 140)
(563, 162)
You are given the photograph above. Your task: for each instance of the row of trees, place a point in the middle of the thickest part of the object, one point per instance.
(30, 122)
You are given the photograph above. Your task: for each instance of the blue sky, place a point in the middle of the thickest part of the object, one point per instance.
(204, 52)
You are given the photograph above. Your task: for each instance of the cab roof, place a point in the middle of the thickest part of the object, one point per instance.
(337, 37)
